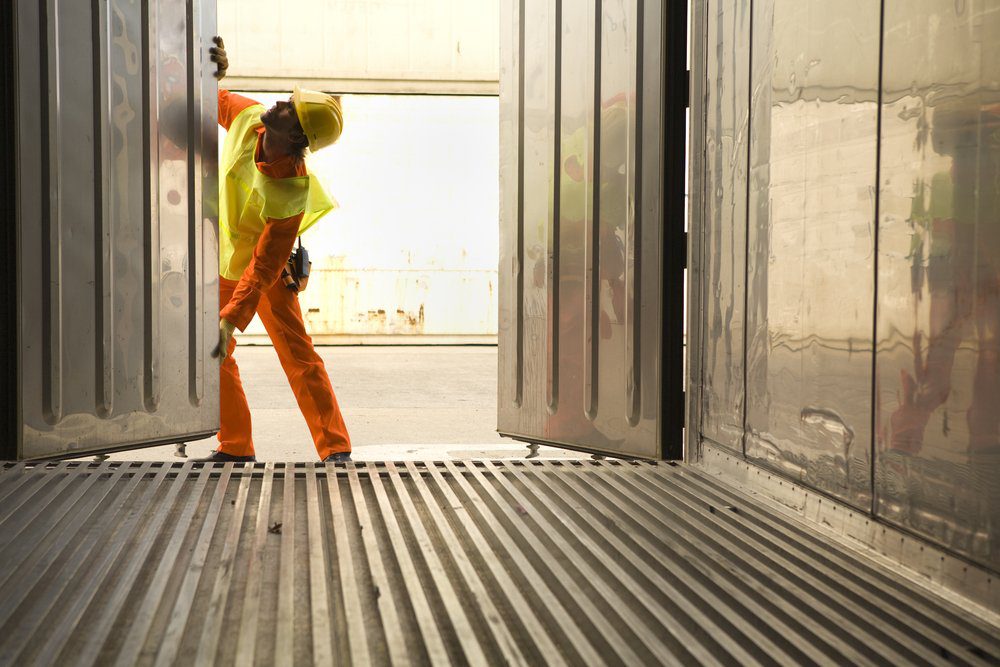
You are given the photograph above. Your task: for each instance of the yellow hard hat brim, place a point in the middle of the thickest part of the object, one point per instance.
(298, 104)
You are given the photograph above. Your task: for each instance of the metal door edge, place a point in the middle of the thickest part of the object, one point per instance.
(696, 162)
(9, 395)
(80, 453)
(531, 440)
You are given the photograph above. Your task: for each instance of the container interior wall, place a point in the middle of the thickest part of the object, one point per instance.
(116, 215)
(850, 231)
(727, 99)
(582, 222)
(810, 241)
(937, 461)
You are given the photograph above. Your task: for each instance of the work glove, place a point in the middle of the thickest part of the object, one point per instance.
(219, 57)
(226, 329)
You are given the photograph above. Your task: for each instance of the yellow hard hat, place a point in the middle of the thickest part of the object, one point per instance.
(320, 117)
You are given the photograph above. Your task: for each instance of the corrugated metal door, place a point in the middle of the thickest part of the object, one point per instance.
(591, 134)
(116, 195)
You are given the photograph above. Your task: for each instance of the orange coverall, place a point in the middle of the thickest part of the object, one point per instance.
(260, 290)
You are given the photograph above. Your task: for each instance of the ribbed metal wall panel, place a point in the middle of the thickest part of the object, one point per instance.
(434, 563)
(727, 129)
(591, 197)
(116, 220)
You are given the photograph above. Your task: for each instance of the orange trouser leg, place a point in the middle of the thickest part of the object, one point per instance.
(235, 430)
(279, 311)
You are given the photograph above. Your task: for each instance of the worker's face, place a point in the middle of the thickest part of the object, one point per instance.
(282, 120)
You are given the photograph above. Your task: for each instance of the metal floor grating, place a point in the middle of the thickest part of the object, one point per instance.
(431, 563)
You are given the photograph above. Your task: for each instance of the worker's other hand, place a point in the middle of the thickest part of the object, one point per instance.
(226, 329)
(219, 57)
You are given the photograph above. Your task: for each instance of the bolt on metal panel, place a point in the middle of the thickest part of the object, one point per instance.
(116, 214)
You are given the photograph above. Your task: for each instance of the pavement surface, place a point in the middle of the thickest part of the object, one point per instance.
(400, 403)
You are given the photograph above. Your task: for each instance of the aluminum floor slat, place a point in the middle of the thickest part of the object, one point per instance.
(525, 562)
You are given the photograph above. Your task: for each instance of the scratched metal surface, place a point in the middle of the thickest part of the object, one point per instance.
(433, 563)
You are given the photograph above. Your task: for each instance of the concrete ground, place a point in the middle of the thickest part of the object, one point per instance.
(399, 403)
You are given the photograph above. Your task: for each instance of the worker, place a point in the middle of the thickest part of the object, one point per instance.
(267, 198)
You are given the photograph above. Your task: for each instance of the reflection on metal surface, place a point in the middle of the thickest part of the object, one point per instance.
(938, 402)
(837, 255)
(581, 202)
(725, 190)
(116, 133)
(576, 208)
(811, 238)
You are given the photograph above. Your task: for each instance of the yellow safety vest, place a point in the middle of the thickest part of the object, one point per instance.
(247, 198)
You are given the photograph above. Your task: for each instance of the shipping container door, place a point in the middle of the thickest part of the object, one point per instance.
(592, 98)
(115, 189)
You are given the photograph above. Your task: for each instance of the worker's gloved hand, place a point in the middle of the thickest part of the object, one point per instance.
(219, 57)
(226, 329)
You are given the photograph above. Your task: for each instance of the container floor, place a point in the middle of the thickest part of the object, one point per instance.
(506, 562)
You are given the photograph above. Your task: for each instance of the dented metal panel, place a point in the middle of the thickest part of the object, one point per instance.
(442, 563)
(810, 256)
(582, 169)
(116, 214)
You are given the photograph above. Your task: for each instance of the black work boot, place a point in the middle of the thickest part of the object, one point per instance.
(339, 457)
(221, 457)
